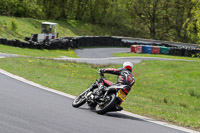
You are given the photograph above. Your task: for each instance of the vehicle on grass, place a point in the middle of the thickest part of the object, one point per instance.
(104, 98)
(48, 33)
(48, 38)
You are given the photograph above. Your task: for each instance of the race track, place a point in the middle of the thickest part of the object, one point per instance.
(105, 56)
(25, 108)
(28, 109)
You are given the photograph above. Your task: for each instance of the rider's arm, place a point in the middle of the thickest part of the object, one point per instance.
(112, 71)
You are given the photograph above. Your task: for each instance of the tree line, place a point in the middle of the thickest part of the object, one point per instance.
(174, 20)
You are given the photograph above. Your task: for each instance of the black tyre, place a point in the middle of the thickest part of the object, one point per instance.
(107, 106)
(79, 100)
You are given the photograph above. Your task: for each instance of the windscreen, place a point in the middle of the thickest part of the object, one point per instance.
(48, 29)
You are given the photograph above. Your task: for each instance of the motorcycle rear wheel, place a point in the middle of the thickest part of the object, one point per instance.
(79, 100)
(102, 109)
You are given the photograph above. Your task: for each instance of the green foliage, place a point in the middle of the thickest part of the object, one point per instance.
(26, 26)
(160, 91)
(21, 8)
(37, 52)
(194, 93)
(154, 55)
(13, 26)
(165, 100)
(174, 20)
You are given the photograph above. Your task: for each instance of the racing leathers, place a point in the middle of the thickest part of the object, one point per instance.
(125, 77)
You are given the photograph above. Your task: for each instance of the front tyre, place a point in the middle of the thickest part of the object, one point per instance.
(107, 106)
(79, 100)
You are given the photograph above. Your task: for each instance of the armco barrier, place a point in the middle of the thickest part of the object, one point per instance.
(98, 41)
(127, 44)
(107, 41)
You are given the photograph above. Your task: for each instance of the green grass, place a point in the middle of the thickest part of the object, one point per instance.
(19, 28)
(154, 55)
(164, 90)
(37, 52)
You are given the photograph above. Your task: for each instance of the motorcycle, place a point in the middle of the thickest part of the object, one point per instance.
(104, 97)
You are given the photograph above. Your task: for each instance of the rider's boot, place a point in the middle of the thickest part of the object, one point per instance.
(117, 108)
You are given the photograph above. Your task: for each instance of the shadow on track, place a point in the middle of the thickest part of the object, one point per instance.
(122, 116)
(115, 115)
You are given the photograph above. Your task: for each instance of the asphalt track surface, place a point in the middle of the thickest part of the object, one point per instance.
(105, 56)
(99, 52)
(3, 55)
(28, 109)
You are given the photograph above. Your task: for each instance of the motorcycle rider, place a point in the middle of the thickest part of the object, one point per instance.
(125, 77)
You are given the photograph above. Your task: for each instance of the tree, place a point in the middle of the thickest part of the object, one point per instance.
(146, 12)
(175, 20)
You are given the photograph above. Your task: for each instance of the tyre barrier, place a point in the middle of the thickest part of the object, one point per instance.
(66, 42)
(164, 50)
(105, 41)
(71, 42)
(3, 41)
(176, 51)
(91, 41)
(54, 44)
(146, 49)
(155, 50)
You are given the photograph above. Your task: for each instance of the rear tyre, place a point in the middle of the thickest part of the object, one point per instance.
(107, 106)
(79, 100)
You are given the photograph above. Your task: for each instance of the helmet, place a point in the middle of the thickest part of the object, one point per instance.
(128, 65)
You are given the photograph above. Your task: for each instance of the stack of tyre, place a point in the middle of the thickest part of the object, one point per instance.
(14, 42)
(93, 41)
(64, 43)
(149, 49)
(184, 51)
(177, 51)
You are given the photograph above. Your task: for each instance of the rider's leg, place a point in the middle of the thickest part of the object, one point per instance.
(93, 86)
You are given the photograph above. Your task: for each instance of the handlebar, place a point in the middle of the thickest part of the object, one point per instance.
(101, 74)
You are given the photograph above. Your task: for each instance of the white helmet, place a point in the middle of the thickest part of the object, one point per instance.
(128, 65)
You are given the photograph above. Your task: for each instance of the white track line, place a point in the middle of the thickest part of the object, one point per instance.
(116, 58)
(73, 97)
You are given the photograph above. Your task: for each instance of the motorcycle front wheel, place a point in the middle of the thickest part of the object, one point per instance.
(79, 100)
(107, 106)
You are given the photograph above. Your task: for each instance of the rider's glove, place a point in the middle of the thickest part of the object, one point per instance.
(101, 70)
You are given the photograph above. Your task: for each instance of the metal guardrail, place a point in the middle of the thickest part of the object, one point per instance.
(181, 49)
(157, 42)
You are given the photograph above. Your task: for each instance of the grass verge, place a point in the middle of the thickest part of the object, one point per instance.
(19, 28)
(166, 90)
(37, 52)
(154, 55)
